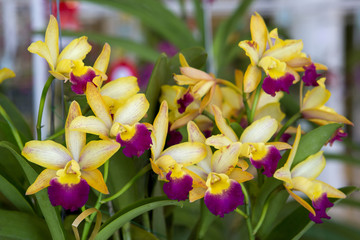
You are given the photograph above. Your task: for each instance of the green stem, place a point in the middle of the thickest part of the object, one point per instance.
(256, 100)
(230, 85)
(128, 185)
(209, 115)
(262, 217)
(247, 208)
(41, 106)
(286, 125)
(57, 134)
(12, 127)
(97, 205)
(241, 213)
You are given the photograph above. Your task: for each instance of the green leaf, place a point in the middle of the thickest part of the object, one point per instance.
(313, 141)
(199, 16)
(125, 215)
(138, 233)
(141, 50)
(345, 158)
(14, 196)
(17, 118)
(298, 222)
(51, 217)
(20, 225)
(332, 231)
(159, 77)
(154, 15)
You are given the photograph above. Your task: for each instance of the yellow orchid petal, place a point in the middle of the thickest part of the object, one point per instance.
(242, 164)
(186, 153)
(301, 201)
(164, 163)
(272, 109)
(283, 173)
(98, 105)
(196, 194)
(48, 154)
(42, 181)
(299, 62)
(198, 174)
(133, 110)
(240, 176)
(225, 159)
(184, 80)
(75, 140)
(252, 78)
(102, 61)
(52, 38)
(259, 131)
(63, 68)
(325, 115)
(258, 31)
(218, 141)
(160, 130)
(231, 97)
(330, 190)
(191, 115)
(266, 98)
(41, 49)
(251, 49)
(273, 67)
(171, 94)
(95, 179)
(285, 50)
(6, 73)
(121, 89)
(183, 61)
(96, 153)
(59, 76)
(196, 74)
(239, 78)
(320, 66)
(91, 125)
(202, 87)
(316, 97)
(209, 98)
(76, 49)
(311, 167)
(222, 125)
(280, 145)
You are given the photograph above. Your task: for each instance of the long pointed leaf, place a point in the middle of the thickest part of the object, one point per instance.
(125, 215)
(51, 217)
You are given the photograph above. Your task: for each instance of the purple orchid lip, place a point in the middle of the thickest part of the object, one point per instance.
(79, 82)
(174, 137)
(310, 75)
(271, 85)
(269, 162)
(178, 188)
(337, 136)
(185, 101)
(320, 205)
(70, 197)
(227, 201)
(138, 144)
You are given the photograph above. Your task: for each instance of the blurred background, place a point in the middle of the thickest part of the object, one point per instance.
(139, 30)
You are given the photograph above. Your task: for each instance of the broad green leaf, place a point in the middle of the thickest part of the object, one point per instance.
(237, 128)
(199, 16)
(14, 196)
(16, 117)
(154, 15)
(332, 231)
(160, 76)
(345, 158)
(298, 222)
(195, 56)
(51, 216)
(125, 215)
(313, 141)
(141, 50)
(20, 225)
(138, 233)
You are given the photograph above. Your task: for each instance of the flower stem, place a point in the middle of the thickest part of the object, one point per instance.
(57, 134)
(97, 205)
(256, 100)
(241, 213)
(286, 125)
(41, 106)
(128, 185)
(247, 209)
(209, 115)
(262, 217)
(12, 127)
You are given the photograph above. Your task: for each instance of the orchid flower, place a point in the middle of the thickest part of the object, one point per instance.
(69, 171)
(6, 73)
(279, 59)
(117, 118)
(313, 106)
(171, 164)
(254, 141)
(80, 74)
(269, 106)
(302, 177)
(60, 64)
(216, 179)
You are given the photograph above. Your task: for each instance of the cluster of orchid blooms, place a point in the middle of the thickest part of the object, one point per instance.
(209, 166)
